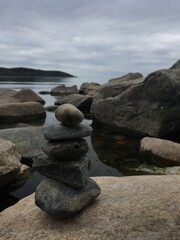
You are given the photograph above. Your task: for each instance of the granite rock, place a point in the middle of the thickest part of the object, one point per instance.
(60, 132)
(131, 208)
(74, 173)
(162, 151)
(60, 200)
(10, 164)
(66, 150)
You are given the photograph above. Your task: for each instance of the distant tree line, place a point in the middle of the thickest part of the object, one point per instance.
(29, 72)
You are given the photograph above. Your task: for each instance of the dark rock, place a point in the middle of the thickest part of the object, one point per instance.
(162, 151)
(69, 115)
(61, 132)
(51, 108)
(28, 95)
(73, 173)
(44, 92)
(176, 65)
(63, 90)
(141, 107)
(21, 112)
(82, 102)
(28, 140)
(60, 200)
(66, 150)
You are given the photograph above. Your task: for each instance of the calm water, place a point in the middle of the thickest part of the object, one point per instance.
(108, 153)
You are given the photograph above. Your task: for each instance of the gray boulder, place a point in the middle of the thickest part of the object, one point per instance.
(162, 151)
(21, 112)
(66, 150)
(10, 164)
(28, 95)
(131, 208)
(28, 140)
(141, 107)
(63, 90)
(89, 88)
(60, 200)
(7, 96)
(73, 173)
(82, 102)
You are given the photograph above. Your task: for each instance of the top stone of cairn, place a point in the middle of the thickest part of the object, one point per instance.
(69, 115)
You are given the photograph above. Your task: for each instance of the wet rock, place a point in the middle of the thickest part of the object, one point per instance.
(61, 132)
(162, 151)
(73, 173)
(60, 200)
(51, 108)
(66, 150)
(69, 115)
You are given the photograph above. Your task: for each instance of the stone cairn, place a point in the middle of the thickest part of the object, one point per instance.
(67, 187)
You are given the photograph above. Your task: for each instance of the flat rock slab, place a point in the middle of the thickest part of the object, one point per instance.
(60, 200)
(74, 173)
(131, 208)
(60, 132)
(66, 150)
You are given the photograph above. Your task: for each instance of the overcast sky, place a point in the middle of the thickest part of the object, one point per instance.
(96, 38)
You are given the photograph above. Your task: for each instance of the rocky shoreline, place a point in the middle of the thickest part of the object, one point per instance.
(131, 105)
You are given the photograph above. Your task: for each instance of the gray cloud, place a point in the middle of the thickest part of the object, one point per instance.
(90, 38)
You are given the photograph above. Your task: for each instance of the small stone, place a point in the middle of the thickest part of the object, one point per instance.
(60, 132)
(69, 115)
(60, 200)
(67, 150)
(73, 173)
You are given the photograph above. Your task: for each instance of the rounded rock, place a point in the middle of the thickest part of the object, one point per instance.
(69, 115)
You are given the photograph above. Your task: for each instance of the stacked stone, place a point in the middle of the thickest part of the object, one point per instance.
(67, 187)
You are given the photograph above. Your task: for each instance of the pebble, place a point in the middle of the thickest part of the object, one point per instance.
(69, 115)
(60, 132)
(60, 200)
(67, 150)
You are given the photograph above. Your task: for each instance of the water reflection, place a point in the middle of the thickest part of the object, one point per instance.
(117, 151)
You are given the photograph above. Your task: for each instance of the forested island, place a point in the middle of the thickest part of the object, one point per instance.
(29, 72)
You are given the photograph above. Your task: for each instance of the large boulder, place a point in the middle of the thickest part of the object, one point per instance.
(131, 208)
(28, 140)
(9, 162)
(63, 90)
(28, 95)
(141, 107)
(7, 96)
(21, 112)
(89, 88)
(82, 102)
(162, 151)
